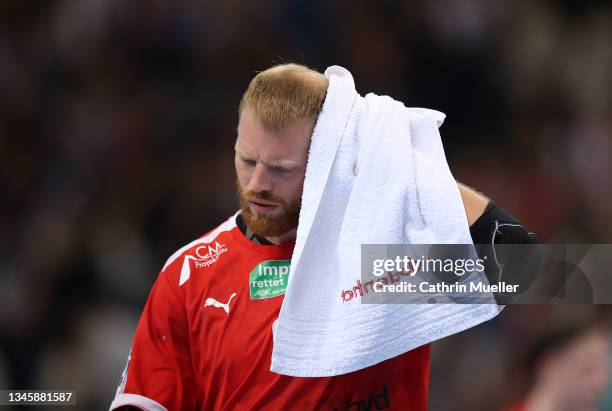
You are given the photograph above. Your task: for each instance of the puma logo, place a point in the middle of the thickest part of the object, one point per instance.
(212, 302)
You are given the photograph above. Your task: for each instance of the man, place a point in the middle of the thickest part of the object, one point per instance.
(205, 337)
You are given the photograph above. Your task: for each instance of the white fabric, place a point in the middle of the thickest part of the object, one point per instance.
(137, 401)
(376, 173)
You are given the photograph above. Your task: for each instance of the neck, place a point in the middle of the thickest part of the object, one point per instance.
(283, 238)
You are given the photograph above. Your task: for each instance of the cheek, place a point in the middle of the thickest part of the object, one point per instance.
(242, 173)
(293, 186)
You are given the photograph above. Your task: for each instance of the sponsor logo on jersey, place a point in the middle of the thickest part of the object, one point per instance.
(212, 302)
(269, 279)
(377, 401)
(205, 256)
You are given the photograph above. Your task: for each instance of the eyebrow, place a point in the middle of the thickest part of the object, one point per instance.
(242, 154)
(283, 163)
(274, 163)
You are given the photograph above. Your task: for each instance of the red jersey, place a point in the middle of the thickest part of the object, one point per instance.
(204, 340)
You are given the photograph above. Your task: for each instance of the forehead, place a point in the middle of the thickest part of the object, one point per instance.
(291, 141)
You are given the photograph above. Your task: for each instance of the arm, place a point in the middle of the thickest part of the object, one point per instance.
(492, 227)
(159, 375)
(474, 203)
(491, 224)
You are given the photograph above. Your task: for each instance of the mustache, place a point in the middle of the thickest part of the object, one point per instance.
(262, 195)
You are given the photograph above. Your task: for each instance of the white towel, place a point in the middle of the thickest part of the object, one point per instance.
(376, 174)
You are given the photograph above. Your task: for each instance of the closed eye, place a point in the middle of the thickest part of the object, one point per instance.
(250, 163)
(281, 169)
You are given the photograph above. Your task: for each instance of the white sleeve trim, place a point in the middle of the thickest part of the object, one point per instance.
(227, 225)
(136, 400)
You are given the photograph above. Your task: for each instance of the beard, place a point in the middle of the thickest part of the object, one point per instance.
(269, 226)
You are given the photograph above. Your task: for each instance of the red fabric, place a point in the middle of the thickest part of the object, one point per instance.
(186, 356)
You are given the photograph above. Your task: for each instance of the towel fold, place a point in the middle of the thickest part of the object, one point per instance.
(376, 174)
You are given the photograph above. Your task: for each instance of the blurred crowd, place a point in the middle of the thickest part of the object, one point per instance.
(117, 125)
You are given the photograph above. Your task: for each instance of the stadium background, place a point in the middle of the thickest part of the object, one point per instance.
(117, 125)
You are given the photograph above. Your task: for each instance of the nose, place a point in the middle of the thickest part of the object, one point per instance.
(260, 179)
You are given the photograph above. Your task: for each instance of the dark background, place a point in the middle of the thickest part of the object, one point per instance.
(117, 125)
